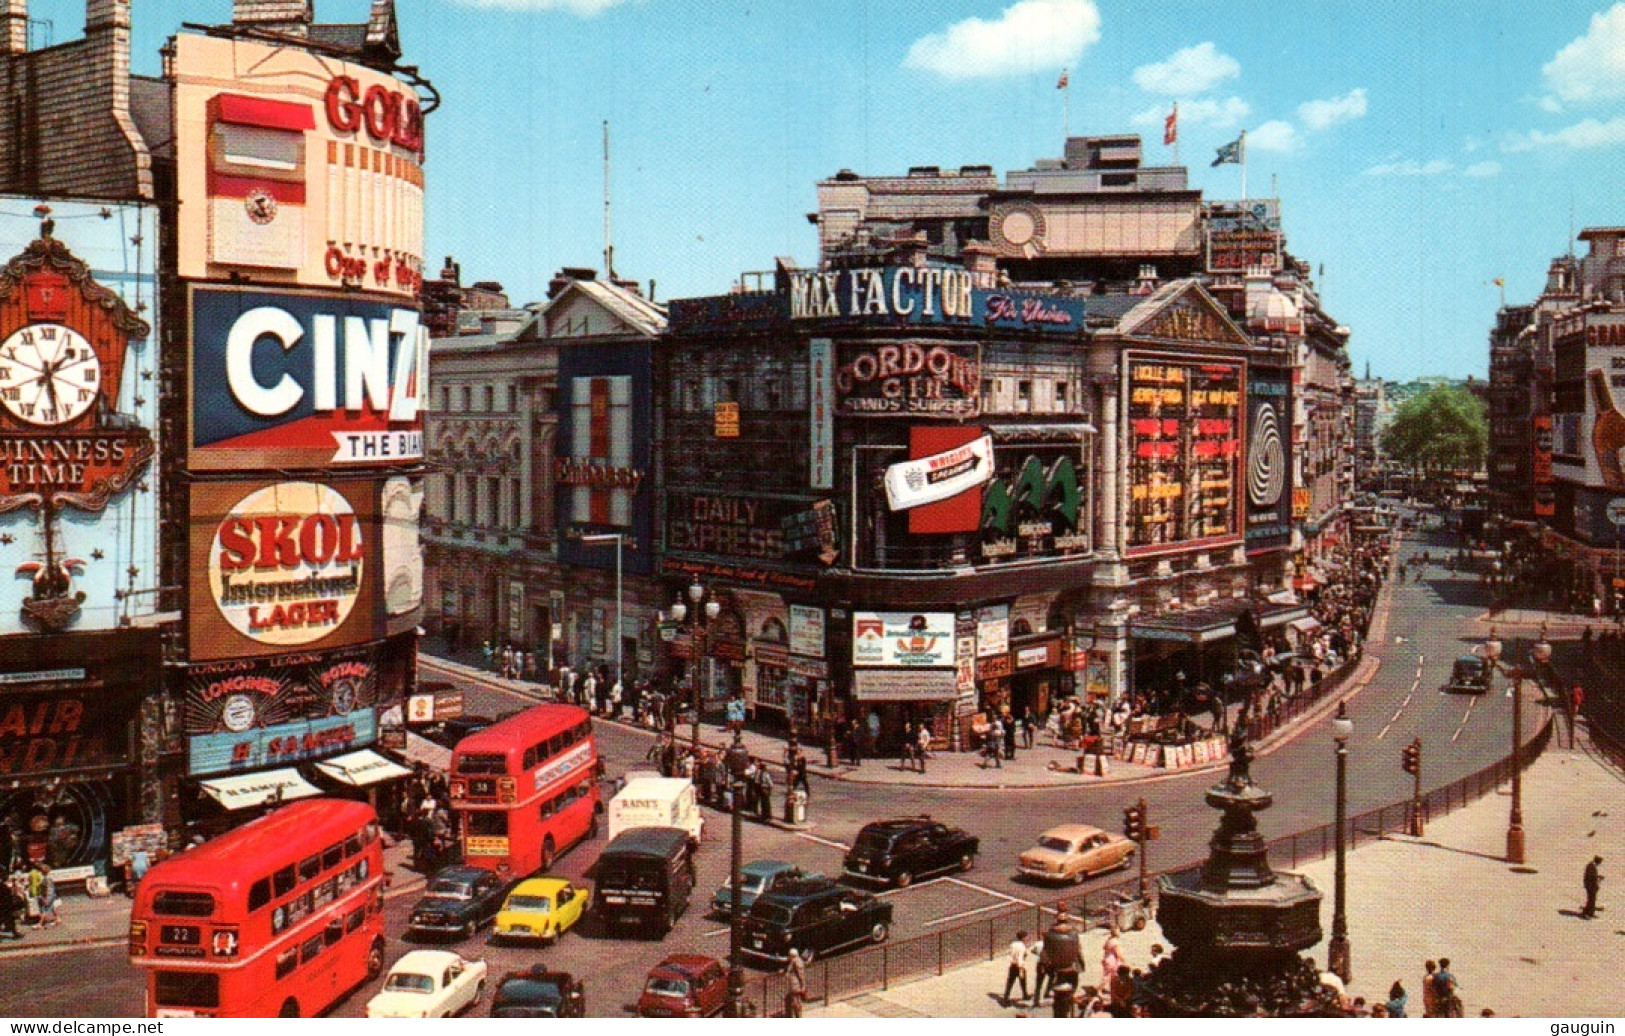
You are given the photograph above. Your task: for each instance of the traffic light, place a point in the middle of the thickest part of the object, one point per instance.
(1411, 757)
(1133, 822)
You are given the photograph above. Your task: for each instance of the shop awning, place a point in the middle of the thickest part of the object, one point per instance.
(420, 749)
(1304, 625)
(359, 769)
(1275, 615)
(1197, 626)
(256, 789)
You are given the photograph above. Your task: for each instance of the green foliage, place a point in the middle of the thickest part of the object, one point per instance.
(1444, 429)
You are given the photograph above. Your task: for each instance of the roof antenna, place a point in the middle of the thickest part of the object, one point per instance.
(1571, 227)
(609, 248)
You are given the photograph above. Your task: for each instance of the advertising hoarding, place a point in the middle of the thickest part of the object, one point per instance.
(401, 554)
(284, 379)
(939, 476)
(909, 379)
(603, 455)
(64, 732)
(1036, 504)
(758, 527)
(78, 405)
(300, 167)
(283, 565)
(1184, 439)
(807, 631)
(918, 640)
(1545, 503)
(992, 630)
(244, 694)
(904, 685)
(1269, 470)
(821, 413)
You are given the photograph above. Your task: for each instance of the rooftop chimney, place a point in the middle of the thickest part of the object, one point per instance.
(1148, 280)
(292, 17)
(16, 26)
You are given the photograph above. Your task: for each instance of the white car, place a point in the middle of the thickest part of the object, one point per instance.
(429, 984)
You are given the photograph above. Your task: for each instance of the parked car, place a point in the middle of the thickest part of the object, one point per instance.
(458, 901)
(757, 877)
(684, 986)
(1075, 852)
(816, 916)
(895, 852)
(540, 908)
(1468, 675)
(447, 733)
(537, 992)
(429, 984)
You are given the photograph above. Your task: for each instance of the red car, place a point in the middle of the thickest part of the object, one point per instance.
(685, 986)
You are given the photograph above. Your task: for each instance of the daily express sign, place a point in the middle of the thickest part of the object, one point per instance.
(290, 380)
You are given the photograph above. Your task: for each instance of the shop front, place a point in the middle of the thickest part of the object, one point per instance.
(1173, 653)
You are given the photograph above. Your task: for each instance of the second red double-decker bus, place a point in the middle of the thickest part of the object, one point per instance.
(526, 789)
(280, 917)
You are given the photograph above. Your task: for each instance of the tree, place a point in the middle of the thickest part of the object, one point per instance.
(1444, 429)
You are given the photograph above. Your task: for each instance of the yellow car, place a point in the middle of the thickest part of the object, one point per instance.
(1075, 852)
(540, 908)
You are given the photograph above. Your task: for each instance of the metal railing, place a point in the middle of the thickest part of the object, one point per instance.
(879, 967)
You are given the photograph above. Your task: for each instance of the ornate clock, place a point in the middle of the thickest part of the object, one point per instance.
(49, 375)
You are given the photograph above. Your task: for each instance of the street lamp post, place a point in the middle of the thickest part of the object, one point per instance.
(738, 763)
(1337, 951)
(696, 650)
(592, 539)
(1540, 654)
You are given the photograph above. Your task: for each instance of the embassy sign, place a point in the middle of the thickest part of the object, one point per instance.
(924, 295)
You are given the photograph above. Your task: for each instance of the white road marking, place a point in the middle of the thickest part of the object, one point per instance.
(823, 841)
(992, 892)
(963, 914)
(1465, 717)
(719, 931)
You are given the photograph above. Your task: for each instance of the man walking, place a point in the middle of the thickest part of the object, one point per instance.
(1593, 882)
(924, 746)
(1017, 972)
(795, 984)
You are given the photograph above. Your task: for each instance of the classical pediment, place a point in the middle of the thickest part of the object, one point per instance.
(1182, 311)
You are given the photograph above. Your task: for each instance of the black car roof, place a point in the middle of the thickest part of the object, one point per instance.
(539, 973)
(657, 842)
(795, 892)
(459, 873)
(898, 826)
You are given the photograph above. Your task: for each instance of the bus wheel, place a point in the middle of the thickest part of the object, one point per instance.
(290, 1008)
(547, 853)
(375, 960)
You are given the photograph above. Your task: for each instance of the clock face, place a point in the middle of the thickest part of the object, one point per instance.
(49, 375)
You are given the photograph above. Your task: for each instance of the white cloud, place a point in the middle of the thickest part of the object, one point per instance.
(1482, 170)
(1550, 104)
(1583, 135)
(1193, 70)
(583, 8)
(1201, 112)
(1318, 115)
(1027, 36)
(1411, 167)
(1274, 135)
(1591, 67)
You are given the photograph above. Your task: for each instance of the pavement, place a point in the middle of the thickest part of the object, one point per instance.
(1513, 934)
(1046, 765)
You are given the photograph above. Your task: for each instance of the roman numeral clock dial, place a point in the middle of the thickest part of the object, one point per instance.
(49, 375)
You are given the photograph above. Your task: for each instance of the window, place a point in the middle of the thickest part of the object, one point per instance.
(183, 904)
(352, 845)
(333, 856)
(468, 398)
(355, 919)
(284, 880)
(693, 398)
(445, 399)
(730, 390)
(771, 394)
(490, 399)
(1024, 396)
(1060, 395)
(334, 931)
(490, 823)
(549, 808)
(309, 867)
(286, 961)
(259, 894)
(311, 948)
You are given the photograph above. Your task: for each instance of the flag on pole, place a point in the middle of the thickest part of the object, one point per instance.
(1170, 126)
(1060, 84)
(1500, 282)
(1233, 153)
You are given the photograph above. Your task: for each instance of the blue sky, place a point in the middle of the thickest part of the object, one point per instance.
(1421, 149)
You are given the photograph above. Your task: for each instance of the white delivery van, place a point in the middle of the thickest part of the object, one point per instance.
(656, 802)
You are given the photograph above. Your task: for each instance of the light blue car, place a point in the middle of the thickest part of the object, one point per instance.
(757, 877)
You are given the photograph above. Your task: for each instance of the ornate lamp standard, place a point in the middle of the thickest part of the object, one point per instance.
(1540, 654)
(697, 633)
(738, 762)
(1337, 950)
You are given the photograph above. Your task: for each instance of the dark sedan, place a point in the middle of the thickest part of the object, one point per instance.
(895, 852)
(458, 901)
(539, 993)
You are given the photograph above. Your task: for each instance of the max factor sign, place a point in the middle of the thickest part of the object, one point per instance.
(925, 295)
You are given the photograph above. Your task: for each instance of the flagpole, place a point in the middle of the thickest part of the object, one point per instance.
(1066, 104)
(1176, 133)
(1243, 165)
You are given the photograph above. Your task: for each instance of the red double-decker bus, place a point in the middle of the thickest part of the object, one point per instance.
(526, 789)
(279, 918)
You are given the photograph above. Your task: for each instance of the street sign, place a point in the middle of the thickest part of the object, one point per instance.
(1616, 510)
